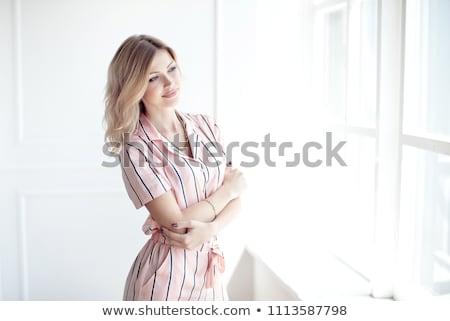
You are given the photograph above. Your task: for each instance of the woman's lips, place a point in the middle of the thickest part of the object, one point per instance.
(171, 93)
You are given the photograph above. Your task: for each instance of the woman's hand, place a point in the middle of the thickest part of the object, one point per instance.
(235, 182)
(190, 234)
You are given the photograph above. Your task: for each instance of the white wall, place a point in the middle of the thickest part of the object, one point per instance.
(67, 229)
(264, 87)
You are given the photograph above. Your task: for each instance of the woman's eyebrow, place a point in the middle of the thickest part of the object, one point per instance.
(155, 72)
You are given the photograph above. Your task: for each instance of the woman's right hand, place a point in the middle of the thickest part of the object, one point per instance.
(234, 180)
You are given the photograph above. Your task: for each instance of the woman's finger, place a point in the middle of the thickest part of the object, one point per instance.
(184, 224)
(172, 235)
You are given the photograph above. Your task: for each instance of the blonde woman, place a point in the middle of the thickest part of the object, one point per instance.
(173, 163)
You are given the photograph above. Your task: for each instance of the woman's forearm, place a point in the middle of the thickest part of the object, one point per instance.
(205, 212)
(226, 215)
(191, 233)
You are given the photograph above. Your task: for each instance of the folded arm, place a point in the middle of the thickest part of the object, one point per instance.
(191, 233)
(165, 210)
(197, 224)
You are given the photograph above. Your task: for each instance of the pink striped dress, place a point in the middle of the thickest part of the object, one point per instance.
(151, 166)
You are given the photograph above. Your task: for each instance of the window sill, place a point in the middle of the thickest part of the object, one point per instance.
(312, 275)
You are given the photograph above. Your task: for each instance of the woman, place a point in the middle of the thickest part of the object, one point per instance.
(173, 163)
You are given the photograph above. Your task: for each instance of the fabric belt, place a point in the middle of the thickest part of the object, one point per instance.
(216, 264)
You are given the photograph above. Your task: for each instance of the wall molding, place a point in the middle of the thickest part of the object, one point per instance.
(218, 62)
(22, 199)
(18, 78)
(18, 68)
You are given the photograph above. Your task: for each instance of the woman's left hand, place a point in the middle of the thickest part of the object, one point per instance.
(189, 234)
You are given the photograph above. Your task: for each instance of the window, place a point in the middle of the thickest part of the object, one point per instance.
(379, 75)
(345, 36)
(425, 202)
(352, 74)
(426, 216)
(330, 65)
(427, 69)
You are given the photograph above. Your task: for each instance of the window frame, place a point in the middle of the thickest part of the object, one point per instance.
(392, 230)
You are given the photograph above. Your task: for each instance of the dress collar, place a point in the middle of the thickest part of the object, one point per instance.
(147, 130)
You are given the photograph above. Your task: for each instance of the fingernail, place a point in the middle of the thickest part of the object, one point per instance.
(174, 224)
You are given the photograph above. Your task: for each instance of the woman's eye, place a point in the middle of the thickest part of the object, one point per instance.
(172, 68)
(153, 79)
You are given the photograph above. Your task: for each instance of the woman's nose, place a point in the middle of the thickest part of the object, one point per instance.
(168, 81)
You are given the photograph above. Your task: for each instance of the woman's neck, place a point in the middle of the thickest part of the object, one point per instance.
(165, 120)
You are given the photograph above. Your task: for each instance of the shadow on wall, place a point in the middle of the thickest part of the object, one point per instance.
(252, 280)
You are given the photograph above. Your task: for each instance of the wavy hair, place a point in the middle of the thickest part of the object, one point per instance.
(126, 85)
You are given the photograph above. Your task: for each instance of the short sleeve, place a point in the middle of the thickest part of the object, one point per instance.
(144, 179)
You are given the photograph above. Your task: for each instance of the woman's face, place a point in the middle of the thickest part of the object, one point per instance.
(163, 82)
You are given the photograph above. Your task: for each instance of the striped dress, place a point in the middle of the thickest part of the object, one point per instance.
(151, 166)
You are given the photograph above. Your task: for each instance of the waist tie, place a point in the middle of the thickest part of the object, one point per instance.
(216, 262)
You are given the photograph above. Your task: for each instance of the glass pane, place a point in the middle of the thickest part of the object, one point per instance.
(334, 63)
(426, 202)
(352, 206)
(427, 68)
(362, 80)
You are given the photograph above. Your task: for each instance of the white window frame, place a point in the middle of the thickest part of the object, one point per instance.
(392, 254)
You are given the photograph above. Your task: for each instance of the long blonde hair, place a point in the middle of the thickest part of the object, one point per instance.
(126, 85)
